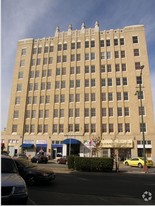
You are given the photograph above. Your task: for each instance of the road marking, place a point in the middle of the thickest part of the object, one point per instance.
(31, 201)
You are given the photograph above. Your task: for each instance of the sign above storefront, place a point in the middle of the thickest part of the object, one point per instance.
(117, 143)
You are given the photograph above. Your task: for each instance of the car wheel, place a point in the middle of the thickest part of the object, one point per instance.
(126, 164)
(140, 165)
(30, 180)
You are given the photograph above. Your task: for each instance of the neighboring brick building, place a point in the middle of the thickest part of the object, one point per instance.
(81, 84)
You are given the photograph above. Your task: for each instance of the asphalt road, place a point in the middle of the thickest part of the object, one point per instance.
(78, 188)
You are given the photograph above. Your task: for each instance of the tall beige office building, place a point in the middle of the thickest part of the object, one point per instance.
(80, 86)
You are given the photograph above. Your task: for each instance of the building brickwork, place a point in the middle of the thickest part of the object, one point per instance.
(81, 84)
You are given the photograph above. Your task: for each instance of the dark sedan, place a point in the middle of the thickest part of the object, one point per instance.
(39, 159)
(33, 174)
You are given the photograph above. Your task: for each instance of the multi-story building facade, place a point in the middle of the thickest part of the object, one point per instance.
(80, 85)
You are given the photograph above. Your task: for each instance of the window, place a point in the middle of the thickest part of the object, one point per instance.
(34, 99)
(17, 100)
(64, 71)
(64, 58)
(70, 128)
(78, 45)
(119, 97)
(54, 128)
(93, 128)
(44, 73)
(29, 100)
(109, 81)
(58, 59)
(117, 67)
(140, 95)
(111, 128)
(135, 39)
(77, 127)
(35, 86)
(51, 48)
(14, 128)
(23, 51)
(86, 69)
(61, 112)
(72, 57)
(92, 43)
(16, 114)
(20, 75)
(86, 44)
(51, 60)
(22, 63)
(34, 51)
(104, 128)
(123, 67)
(126, 96)
(26, 128)
(42, 85)
(44, 61)
(38, 61)
(39, 128)
(33, 62)
(86, 56)
(126, 111)
(108, 42)
(40, 113)
(93, 112)
(62, 98)
(57, 71)
(101, 43)
(103, 82)
(56, 98)
(109, 68)
(125, 81)
(86, 128)
(119, 111)
(39, 50)
(57, 85)
(77, 112)
(49, 72)
(19, 87)
(120, 127)
(139, 80)
(92, 68)
(122, 54)
(46, 49)
(33, 114)
(136, 52)
(45, 128)
(86, 112)
(102, 55)
(30, 86)
(86, 97)
(92, 82)
(63, 84)
(41, 99)
(93, 97)
(71, 98)
(78, 70)
(59, 47)
(116, 54)
(118, 81)
(64, 46)
(78, 57)
(110, 112)
(71, 83)
(103, 96)
(61, 128)
(78, 83)
(127, 127)
(77, 97)
(72, 70)
(115, 42)
(86, 82)
(121, 41)
(27, 113)
(141, 110)
(70, 112)
(137, 65)
(32, 128)
(110, 96)
(104, 112)
(92, 55)
(142, 127)
(46, 113)
(73, 45)
(31, 74)
(108, 55)
(47, 99)
(55, 113)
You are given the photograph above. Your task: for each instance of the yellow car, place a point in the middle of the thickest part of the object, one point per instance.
(138, 162)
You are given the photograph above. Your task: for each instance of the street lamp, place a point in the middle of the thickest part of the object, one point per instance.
(142, 119)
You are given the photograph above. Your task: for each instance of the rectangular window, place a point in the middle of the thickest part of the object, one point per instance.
(16, 114)
(64, 58)
(92, 82)
(62, 98)
(108, 42)
(111, 128)
(125, 81)
(121, 41)
(71, 98)
(40, 113)
(127, 127)
(44, 61)
(78, 57)
(20, 75)
(125, 94)
(123, 67)
(104, 112)
(61, 128)
(136, 52)
(64, 46)
(72, 57)
(19, 87)
(22, 63)
(46, 113)
(77, 112)
(102, 55)
(93, 97)
(103, 96)
(17, 100)
(86, 97)
(71, 83)
(27, 113)
(72, 70)
(77, 83)
(33, 115)
(77, 127)
(39, 128)
(23, 51)
(49, 72)
(57, 85)
(59, 47)
(86, 112)
(86, 56)
(61, 112)
(92, 56)
(104, 128)
(139, 80)
(14, 128)
(135, 39)
(47, 99)
(45, 128)
(117, 67)
(55, 114)
(93, 128)
(86, 44)
(48, 85)
(38, 61)
(115, 42)
(78, 70)
(34, 51)
(103, 82)
(137, 65)
(33, 62)
(108, 55)
(34, 99)
(73, 45)
(64, 71)
(86, 82)
(58, 59)
(110, 112)
(32, 128)
(110, 96)
(63, 84)
(118, 81)
(55, 128)
(109, 82)
(141, 110)
(93, 112)
(46, 49)
(39, 50)
(126, 111)
(50, 60)
(108, 67)
(119, 111)
(41, 99)
(37, 73)
(56, 98)
(140, 95)
(70, 128)
(120, 127)
(86, 69)
(57, 71)
(86, 128)
(35, 86)
(101, 43)
(116, 54)
(77, 97)
(78, 45)
(92, 43)
(122, 54)
(70, 112)
(26, 128)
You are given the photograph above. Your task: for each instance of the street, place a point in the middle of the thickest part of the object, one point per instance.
(82, 188)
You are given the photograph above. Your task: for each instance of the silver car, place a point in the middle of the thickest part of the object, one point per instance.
(13, 187)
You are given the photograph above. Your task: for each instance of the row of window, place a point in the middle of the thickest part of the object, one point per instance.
(77, 45)
(77, 57)
(88, 112)
(88, 128)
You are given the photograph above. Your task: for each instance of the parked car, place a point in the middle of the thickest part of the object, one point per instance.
(33, 174)
(62, 160)
(39, 159)
(13, 186)
(21, 156)
(138, 162)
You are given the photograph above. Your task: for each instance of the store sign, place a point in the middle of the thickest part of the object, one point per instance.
(41, 142)
(28, 141)
(117, 143)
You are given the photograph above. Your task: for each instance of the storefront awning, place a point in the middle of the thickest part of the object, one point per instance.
(71, 141)
(41, 145)
(56, 145)
(27, 145)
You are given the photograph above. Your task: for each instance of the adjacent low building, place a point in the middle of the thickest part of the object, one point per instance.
(79, 88)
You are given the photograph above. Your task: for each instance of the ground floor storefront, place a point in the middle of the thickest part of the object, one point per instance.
(55, 147)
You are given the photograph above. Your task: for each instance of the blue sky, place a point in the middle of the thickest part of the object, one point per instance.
(39, 18)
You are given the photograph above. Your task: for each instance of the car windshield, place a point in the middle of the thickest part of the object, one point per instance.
(8, 166)
(25, 163)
